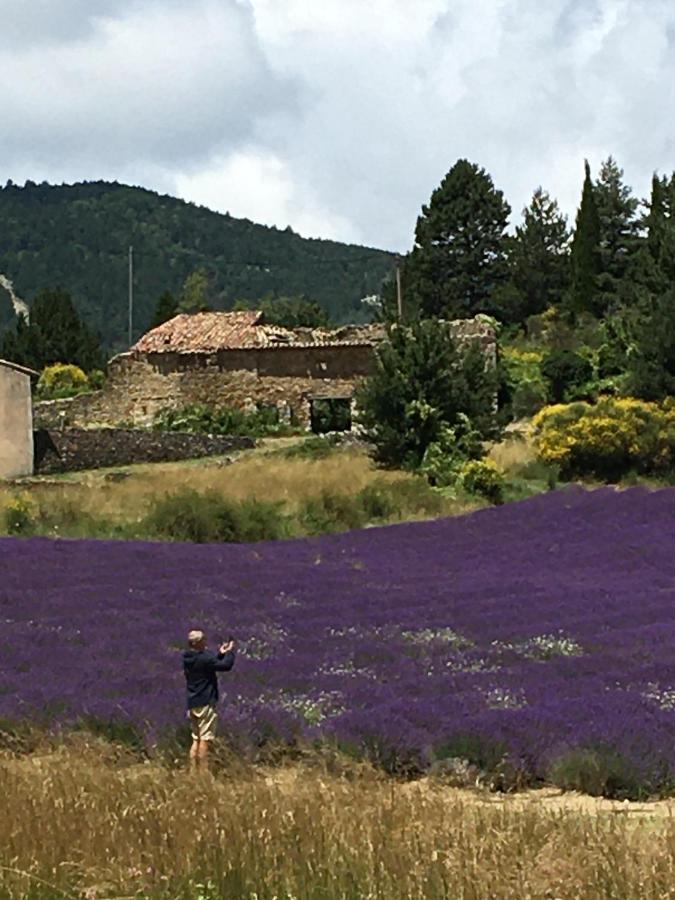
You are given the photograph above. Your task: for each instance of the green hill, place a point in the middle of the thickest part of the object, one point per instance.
(77, 237)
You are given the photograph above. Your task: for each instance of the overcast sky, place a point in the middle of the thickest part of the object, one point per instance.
(338, 117)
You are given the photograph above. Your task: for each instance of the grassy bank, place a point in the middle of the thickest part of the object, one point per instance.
(281, 490)
(83, 822)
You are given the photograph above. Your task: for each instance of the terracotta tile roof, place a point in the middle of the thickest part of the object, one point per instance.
(209, 332)
(202, 332)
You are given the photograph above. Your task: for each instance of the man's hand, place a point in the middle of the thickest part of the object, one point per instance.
(228, 647)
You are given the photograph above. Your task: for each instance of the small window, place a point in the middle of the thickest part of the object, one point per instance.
(330, 414)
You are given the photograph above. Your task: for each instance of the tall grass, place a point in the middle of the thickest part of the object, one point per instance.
(79, 823)
(262, 496)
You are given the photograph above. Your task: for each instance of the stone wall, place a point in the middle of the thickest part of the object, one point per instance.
(73, 449)
(139, 386)
(16, 423)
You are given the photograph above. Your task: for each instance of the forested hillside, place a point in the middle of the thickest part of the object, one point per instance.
(77, 236)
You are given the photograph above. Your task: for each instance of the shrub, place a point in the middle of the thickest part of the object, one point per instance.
(565, 373)
(523, 390)
(19, 518)
(600, 772)
(200, 418)
(528, 398)
(310, 448)
(444, 457)
(62, 380)
(484, 478)
(96, 379)
(209, 517)
(414, 496)
(260, 520)
(478, 750)
(377, 502)
(329, 512)
(607, 439)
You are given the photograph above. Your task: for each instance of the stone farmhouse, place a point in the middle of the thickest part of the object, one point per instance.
(235, 359)
(16, 420)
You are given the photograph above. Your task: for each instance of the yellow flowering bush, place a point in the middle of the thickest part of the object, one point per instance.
(483, 477)
(607, 439)
(62, 380)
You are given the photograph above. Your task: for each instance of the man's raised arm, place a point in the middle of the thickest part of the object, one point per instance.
(225, 659)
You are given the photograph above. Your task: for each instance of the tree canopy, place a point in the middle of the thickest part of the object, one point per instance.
(538, 262)
(459, 256)
(585, 255)
(55, 334)
(422, 384)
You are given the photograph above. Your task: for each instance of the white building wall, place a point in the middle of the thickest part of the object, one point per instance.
(16, 423)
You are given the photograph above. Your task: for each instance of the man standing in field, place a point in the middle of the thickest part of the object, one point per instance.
(200, 667)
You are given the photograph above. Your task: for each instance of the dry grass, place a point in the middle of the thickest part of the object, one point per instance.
(259, 474)
(78, 823)
(514, 452)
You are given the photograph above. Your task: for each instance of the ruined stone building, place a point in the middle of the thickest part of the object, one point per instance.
(235, 359)
(16, 421)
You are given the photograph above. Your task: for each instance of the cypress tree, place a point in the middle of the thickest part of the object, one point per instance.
(585, 254)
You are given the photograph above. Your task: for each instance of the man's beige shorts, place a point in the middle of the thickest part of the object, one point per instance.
(203, 720)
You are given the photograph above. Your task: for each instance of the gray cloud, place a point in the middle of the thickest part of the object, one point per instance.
(340, 117)
(155, 85)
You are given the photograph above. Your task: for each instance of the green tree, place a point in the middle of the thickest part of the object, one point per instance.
(194, 296)
(585, 255)
(658, 271)
(616, 208)
(422, 385)
(538, 262)
(55, 334)
(459, 257)
(565, 372)
(167, 308)
(289, 312)
(651, 353)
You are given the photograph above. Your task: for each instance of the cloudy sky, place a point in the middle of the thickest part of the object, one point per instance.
(338, 117)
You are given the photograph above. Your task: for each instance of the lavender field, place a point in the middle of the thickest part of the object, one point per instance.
(533, 628)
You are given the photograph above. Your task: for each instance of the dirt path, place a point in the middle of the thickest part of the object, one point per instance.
(546, 798)
(554, 799)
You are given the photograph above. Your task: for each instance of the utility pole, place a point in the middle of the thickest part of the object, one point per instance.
(399, 290)
(131, 295)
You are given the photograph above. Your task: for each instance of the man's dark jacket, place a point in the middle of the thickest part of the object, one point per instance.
(200, 667)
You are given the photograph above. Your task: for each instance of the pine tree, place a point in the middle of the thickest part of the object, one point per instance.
(585, 254)
(538, 261)
(459, 255)
(618, 232)
(55, 334)
(195, 293)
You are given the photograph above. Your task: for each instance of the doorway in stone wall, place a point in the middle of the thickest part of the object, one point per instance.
(330, 414)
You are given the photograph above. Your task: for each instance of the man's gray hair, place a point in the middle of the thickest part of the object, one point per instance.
(196, 636)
